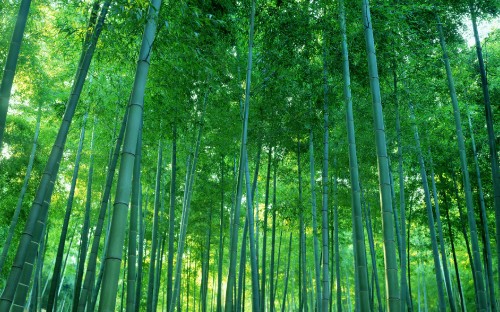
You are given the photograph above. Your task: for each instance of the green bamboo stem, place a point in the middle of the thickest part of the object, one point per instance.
(357, 220)
(17, 211)
(476, 265)
(190, 174)
(56, 274)
(85, 228)
(122, 198)
(390, 261)
(44, 191)
(430, 215)
(492, 148)
(88, 283)
(154, 239)
(11, 64)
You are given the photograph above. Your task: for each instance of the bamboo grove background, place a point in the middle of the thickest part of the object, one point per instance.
(256, 155)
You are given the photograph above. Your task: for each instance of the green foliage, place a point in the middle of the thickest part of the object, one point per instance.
(200, 48)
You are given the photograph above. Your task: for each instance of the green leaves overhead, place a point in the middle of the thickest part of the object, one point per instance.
(200, 48)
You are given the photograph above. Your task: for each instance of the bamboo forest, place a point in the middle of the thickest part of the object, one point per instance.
(250, 155)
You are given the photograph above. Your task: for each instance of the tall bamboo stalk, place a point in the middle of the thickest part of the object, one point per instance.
(476, 265)
(317, 265)
(205, 264)
(325, 223)
(17, 211)
(373, 256)
(405, 294)
(285, 291)
(38, 210)
(430, 215)
(221, 245)
(454, 254)
(391, 265)
(495, 171)
(253, 252)
(56, 274)
(302, 240)
(357, 220)
(85, 228)
(11, 64)
(487, 244)
(132, 239)
(154, 239)
(272, 291)
(88, 283)
(264, 235)
(171, 215)
(188, 191)
(444, 257)
(122, 198)
(140, 257)
(336, 239)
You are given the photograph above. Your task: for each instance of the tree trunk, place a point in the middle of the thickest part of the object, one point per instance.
(17, 211)
(325, 301)
(240, 303)
(154, 239)
(278, 265)
(487, 246)
(171, 215)
(391, 265)
(21, 293)
(348, 292)
(221, 244)
(405, 295)
(122, 198)
(336, 242)
(233, 247)
(253, 252)
(373, 255)
(213, 294)
(464, 234)
(161, 252)
(487, 279)
(85, 228)
(138, 292)
(240, 306)
(264, 235)
(63, 266)
(56, 274)
(272, 279)
(395, 215)
(444, 257)
(88, 283)
(122, 292)
(84, 241)
(38, 209)
(317, 265)
(9, 70)
(132, 240)
(491, 143)
(430, 215)
(408, 252)
(476, 265)
(205, 265)
(455, 261)
(287, 273)
(302, 262)
(190, 174)
(357, 220)
(35, 296)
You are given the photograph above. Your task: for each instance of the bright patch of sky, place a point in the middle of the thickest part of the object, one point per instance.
(6, 151)
(483, 27)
